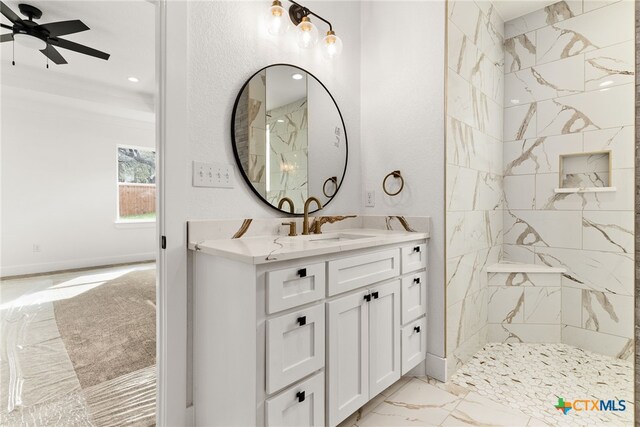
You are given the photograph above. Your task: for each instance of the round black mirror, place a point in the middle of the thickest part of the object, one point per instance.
(289, 137)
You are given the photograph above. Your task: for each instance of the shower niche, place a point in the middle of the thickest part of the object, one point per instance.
(585, 172)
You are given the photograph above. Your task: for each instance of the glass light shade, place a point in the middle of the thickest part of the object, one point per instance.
(30, 41)
(277, 20)
(331, 45)
(307, 34)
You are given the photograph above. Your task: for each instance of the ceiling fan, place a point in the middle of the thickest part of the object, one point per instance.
(45, 37)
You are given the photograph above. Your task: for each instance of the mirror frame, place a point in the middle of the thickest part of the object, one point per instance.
(235, 150)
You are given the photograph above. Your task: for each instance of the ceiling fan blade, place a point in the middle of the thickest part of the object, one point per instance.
(51, 53)
(6, 38)
(8, 13)
(66, 44)
(62, 28)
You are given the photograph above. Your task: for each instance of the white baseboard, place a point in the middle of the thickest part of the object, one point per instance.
(20, 270)
(190, 412)
(437, 367)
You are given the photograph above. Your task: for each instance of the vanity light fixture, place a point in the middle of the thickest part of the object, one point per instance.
(277, 23)
(306, 31)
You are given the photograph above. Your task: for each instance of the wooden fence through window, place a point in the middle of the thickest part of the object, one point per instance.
(136, 199)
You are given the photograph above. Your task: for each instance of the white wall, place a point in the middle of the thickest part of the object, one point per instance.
(402, 101)
(58, 180)
(223, 55)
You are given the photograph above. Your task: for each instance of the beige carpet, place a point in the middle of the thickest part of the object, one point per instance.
(110, 330)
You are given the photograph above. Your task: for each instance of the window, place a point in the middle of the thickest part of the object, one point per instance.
(136, 184)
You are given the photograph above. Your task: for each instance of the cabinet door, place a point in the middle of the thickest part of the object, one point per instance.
(295, 346)
(384, 337)
(299, 406)
(348, 368)
(414, 296)
(414, 344)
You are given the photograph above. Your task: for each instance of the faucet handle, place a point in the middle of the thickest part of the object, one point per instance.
(317, 225)
(292, 228)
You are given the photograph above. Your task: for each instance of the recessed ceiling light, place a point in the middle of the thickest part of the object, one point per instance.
(133, 79)
(297, 76)
(515, 101)
(607, 83)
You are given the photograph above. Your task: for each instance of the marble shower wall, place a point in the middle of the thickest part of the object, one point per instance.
(474, 194)
(569, 88)
(288, 156)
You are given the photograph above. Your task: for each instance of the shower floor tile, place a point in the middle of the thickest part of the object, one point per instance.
(532, 377)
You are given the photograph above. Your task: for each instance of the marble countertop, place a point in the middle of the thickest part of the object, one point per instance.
(266, 249)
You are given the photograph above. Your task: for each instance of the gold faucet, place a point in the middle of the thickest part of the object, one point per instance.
(305, 223)
(292, 224)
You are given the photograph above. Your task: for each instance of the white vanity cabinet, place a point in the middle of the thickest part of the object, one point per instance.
(306, 341)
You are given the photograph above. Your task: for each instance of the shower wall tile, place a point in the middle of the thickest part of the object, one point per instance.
(557, 229)
(542, 305)
(600, 271)
(518, 253)
(572, 306)
(520, 122)
(598, 342)
(618, 140)
(608, 313)
(610, 66)
(586, 111)
(506, 305)
(474, 195)
(520, 332)
(541, 155)
(546, 16)
(552, 80)
(520, 52)
(619, 200)
(525, 279)
(590, 5)
(610, 231)
(585, 33)
(520, 191)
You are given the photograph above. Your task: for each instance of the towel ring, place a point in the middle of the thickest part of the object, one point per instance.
(395, 174)
(335, 182)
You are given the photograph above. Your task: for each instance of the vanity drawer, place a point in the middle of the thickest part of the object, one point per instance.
(295, 346)
(354, 272)
(414, 257)
(414, 296)
(301, 405)
(292, 287)
(414, 344)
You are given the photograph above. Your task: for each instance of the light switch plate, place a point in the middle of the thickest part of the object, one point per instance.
(214, 175)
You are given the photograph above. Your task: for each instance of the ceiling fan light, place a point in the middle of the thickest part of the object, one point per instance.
(30, 41)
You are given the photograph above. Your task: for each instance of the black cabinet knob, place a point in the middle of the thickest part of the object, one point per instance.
(302, 272)
(367, 297)
(300, 395)
(375, 295)
(417, 329)
(416, 249)
(302, 320)
(416, 280)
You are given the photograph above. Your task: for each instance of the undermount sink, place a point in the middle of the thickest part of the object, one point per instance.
(327, 238)
(339, 237)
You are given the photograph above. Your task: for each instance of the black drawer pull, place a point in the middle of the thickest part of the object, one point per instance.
(375, 295)
(302, 320)
(367, 297)
(416, 249)
(417, 329)
(416, 280)
(300, 396)
(302, 272)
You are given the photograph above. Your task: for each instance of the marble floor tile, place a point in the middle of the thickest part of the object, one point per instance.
(478, 410)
